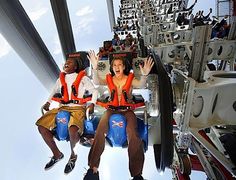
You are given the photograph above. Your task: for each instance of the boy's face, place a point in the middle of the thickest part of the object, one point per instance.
(70, 66)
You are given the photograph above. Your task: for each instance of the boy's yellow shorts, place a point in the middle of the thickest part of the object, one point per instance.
(77, 117)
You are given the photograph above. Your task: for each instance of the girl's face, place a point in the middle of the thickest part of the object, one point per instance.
(118, 67)
(70, 66)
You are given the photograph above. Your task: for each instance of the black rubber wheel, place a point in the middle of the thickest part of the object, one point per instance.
(157, 155)
(166, 111)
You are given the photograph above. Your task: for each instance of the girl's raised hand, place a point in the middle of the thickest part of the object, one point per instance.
(93, 58)
(147, 66)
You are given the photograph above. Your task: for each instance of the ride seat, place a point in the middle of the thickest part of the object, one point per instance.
(117, 137)
(90, 126)
(62, 119)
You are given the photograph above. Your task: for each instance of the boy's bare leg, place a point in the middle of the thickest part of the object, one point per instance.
(74, 138)
(48, 138)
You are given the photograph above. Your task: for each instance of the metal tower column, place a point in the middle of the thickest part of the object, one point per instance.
(62, 18)
(21, 34)
(111, 13)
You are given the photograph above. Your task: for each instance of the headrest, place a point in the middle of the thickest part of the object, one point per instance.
(81, 57)
(128, 56)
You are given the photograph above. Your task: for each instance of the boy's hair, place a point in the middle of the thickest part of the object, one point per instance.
(81, 59)
(79, 64)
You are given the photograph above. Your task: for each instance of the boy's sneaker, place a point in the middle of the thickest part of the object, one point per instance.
(91, 176)
(138, 177)
(70, 165)
(53, 161)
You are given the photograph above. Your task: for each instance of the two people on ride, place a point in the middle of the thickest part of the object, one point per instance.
(122, 80)
(68, 91)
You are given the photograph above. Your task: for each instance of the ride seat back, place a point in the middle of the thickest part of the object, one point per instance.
(61, 130)
(116, 136)
(90, 126)
(143, 132)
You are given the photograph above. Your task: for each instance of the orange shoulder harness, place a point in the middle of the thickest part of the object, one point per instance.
(74, 90)
(114, 101)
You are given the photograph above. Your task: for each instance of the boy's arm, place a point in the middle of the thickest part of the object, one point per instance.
(56, 89)
(91, 88)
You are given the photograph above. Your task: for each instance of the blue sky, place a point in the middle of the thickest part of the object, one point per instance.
(23, 153)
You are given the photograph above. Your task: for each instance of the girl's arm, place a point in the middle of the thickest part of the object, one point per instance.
(97, 79)
(145, 70)
(93, 58)
(139, 83)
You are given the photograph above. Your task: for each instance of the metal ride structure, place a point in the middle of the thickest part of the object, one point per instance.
(205, 100)
(191, 108)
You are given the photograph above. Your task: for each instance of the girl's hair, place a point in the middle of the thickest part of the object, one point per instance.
(124, 62)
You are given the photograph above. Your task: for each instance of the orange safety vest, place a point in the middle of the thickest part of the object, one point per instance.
(114, 101)
(74, 90)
